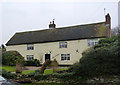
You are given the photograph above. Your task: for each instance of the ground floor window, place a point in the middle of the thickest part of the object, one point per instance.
(30, 57)
(65, 57)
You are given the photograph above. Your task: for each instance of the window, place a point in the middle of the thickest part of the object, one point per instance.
(30, 47)
(30, 57)
(92, 42)
(65, 57)
(62, 44)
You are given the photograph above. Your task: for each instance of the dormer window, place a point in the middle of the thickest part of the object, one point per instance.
(30, 47)
(62, 44)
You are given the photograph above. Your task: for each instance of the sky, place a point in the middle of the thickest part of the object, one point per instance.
(28, 15)
(119, 13)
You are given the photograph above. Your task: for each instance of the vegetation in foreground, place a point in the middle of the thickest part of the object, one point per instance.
(46, 84)
(98, 62)
(12, 69)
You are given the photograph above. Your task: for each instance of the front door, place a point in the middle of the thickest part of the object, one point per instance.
(47, 56)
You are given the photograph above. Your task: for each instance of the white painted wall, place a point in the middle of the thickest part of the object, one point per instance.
(41, 49)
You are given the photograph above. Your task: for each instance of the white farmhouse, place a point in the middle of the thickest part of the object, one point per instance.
(64, 44)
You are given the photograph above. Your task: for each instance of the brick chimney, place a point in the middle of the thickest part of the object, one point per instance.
(108, 24)
(52, 25)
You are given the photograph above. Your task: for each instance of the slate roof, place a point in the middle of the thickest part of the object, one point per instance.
(95, 30)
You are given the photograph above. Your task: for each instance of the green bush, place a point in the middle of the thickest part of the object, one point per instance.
(10, 58)
(69, 77)
(108, 40)
(33, 73)
(8, 75)
(34, 62)
(100, 60)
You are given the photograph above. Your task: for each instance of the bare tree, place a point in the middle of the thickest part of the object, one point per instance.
(115, 30)
(3, 48)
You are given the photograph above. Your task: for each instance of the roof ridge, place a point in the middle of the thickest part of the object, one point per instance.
(59, 28)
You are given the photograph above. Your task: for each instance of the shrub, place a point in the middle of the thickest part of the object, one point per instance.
(100, 60)
(10, 58)
(34, 62)
(8, 75)
(69, 77)
(108, 40)
(33, 73)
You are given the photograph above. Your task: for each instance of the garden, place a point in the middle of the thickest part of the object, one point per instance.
(99, 64)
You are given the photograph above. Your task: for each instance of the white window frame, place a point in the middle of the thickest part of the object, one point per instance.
(62, 44)
(30, 46)
(92, 42)
(29, 57)
(65, 57)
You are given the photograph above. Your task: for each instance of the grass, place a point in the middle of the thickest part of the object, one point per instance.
(48, 71)
(62, 69)
(12, 69)
(8, 68)
(26, 72)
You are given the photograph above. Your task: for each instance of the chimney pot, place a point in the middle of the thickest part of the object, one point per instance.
(52, 24)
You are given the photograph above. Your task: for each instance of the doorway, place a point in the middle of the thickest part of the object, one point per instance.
(47, 56)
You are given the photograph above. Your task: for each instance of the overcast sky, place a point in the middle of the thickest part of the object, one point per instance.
(26, 15)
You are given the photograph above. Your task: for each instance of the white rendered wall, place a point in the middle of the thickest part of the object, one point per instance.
(52, 48)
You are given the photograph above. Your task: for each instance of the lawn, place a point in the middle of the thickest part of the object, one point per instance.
(62, 69)
(48, 71)
(26, 72)
(8, 68)
(12, 69)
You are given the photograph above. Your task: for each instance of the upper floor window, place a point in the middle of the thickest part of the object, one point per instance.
(62, 44)
(30, 47)
(30, 57)
(65, 57)
(92, 42)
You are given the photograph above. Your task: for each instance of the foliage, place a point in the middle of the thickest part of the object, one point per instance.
(115, 30)
(8, 75)
(63, 77)
(10, 58)
(2, 48)
(118, 50)
(34, 62)
(111, 41)
(47, 84)
(100, 60)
